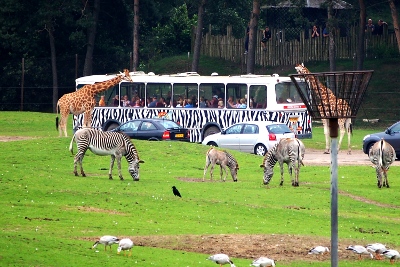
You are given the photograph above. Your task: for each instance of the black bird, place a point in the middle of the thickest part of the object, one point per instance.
(176, 192)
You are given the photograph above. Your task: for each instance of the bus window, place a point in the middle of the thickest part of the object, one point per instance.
(258, 96)
(108, 96)
(236, 92)
(158, 90)
(286, 92)
(208, 90)
(184, 91)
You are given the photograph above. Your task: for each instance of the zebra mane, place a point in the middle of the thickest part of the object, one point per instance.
(130, 146)
(231, 159)
(270, 154)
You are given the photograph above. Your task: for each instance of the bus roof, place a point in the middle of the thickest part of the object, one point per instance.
(188, 77)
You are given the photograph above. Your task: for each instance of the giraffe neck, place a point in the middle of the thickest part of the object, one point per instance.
(103, 86)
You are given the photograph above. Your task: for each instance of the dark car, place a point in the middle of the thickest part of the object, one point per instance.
(391, 135)
(154, 130)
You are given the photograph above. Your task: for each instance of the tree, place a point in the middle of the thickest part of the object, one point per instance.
(361, 36)
(93, 18)
(135, 34)
(199, 35)
(332, 33)
(396, 25)
(253, 36)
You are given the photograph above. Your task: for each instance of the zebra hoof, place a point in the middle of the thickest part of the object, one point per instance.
(76, 174)
(110, 177)
(281, 184)
(121, 178)
(83, 174)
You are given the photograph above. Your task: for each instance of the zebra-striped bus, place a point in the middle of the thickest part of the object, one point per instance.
(203, 104)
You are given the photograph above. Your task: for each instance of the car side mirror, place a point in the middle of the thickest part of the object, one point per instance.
(223, 132)
(388, 131)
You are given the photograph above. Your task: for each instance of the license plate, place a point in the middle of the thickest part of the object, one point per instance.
(179, 135)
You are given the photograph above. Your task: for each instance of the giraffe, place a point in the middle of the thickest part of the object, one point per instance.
(329, 99)
(83, 101)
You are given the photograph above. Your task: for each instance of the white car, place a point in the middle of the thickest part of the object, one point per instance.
(251, 136)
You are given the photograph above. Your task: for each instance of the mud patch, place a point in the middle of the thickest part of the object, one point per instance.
(14, 138)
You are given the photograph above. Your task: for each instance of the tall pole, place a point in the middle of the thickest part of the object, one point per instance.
(333, 130)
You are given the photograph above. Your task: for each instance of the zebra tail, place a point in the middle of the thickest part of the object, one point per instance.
(380, 153)
(71, 145)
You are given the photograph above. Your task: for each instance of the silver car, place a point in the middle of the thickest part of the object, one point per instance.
(252, 136)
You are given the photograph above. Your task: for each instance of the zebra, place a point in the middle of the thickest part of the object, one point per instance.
(382, 155)
(102, 143)
(223, 159)
(288, 150)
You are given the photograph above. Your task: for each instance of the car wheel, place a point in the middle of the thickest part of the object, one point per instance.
(112, 126)
(211, 130)
(260, 150)
(212, 144)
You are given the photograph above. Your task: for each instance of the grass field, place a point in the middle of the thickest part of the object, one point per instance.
(52, 218)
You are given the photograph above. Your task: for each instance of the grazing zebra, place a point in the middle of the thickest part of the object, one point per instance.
(223, 159)
(288, 150)
(106, 143)
(382, 155)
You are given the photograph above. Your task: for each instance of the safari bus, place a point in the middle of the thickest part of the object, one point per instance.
(203, 104)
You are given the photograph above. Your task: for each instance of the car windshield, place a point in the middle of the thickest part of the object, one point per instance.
(278, 129)
(169, 124)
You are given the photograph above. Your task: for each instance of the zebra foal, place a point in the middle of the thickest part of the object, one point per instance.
(382, 155)
(102, 143)
(288, 150)
(223, 159)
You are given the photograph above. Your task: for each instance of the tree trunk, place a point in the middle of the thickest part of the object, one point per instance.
(135, 35)
(199, 31)
(332, 36)
(361, 37)
(395, 18)
(251, 57)
(88, 67)
(53, 66)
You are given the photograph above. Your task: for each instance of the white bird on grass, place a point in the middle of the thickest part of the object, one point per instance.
(106, 240)
(125, 244)
(391, 254)
(376, 248)
(263, 262)
(318, 250)
(360, 250)
(221, 259)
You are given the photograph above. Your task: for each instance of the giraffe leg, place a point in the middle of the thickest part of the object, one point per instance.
(349, 131)
(327, 137)
(342, 132)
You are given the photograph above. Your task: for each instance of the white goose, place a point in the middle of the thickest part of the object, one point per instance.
(106, 240)
(221, 259)
(391, 254)
(263, 262)
(360, 250)
(318, 250)
(376, 248)
(125, 244)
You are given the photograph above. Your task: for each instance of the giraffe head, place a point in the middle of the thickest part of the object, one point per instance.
(301, 69)
(125, 75)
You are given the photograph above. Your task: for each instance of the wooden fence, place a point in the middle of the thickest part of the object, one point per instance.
(290, 52)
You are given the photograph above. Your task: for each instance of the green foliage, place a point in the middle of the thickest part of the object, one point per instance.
(51, 218)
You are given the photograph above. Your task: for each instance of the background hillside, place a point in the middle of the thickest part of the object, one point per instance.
(380, 101)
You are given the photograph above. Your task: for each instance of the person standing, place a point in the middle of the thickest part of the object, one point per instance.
(370, 27)
(315, 32)
(379, 28)
(265, 37)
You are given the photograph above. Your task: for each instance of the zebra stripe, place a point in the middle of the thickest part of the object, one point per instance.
(382, 155)
(102, 143)
(195, 119)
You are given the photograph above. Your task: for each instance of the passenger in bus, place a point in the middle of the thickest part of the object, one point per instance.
(161, 103)
(230, 103)
(153, 103)
(220, 104)
(116, 101)
(179, 103)
(189, 103)
(202, 103)
(102, 101)
(125, 101)
(243, 103)
(214, 102)
(137, 104)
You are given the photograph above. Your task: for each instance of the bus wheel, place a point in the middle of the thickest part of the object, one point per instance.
(112, 126)
(211, 130)
(260, 150)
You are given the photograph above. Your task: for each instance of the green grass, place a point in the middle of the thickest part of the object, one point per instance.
(51, 218)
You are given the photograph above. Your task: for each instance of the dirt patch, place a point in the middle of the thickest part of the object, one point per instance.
(14, 138)
(282, 248)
